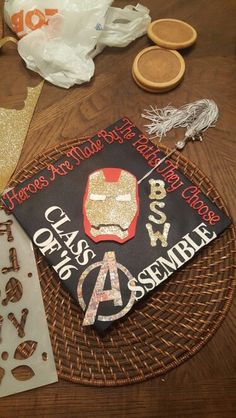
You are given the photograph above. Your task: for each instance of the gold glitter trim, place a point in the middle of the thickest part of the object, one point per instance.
(3, 41)
(14, 125)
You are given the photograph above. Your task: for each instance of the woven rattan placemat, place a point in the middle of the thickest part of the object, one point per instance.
(163, 330)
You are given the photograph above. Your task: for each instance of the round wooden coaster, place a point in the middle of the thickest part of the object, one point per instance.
(172, 33)
(164, 329)
(157, 69)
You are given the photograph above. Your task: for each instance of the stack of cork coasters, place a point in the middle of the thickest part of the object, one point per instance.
(160, 68)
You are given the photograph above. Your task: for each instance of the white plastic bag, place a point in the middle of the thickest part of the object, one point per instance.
(123, 26)
(61, 37)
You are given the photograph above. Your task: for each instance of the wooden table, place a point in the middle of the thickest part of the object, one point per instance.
(205, 385)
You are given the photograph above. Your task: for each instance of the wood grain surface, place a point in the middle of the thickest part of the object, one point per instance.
(205, 385)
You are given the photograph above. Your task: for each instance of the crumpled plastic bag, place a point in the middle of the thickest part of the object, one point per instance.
(60, 38)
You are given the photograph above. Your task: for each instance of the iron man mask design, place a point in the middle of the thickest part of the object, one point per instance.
(111, 205)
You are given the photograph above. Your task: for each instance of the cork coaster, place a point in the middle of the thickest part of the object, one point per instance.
(172, 33)
(158, 70)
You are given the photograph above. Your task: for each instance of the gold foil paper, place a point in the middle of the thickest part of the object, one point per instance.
(111, 206)
(3, 41)
(14, 125)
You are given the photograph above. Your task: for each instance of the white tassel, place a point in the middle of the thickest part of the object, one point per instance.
(196, 117)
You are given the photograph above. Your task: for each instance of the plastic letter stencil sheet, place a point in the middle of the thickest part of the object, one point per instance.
(26, 357)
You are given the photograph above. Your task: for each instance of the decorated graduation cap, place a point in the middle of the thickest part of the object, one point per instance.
(115, 218)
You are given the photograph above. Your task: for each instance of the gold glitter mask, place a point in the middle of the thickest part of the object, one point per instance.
(14, 125)
(111, 205)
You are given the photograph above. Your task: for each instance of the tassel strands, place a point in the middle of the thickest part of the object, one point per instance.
(196, 117)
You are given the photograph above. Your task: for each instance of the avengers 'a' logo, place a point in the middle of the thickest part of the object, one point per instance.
(100, 295)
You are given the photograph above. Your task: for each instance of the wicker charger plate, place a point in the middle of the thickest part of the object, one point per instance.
(163, 330)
